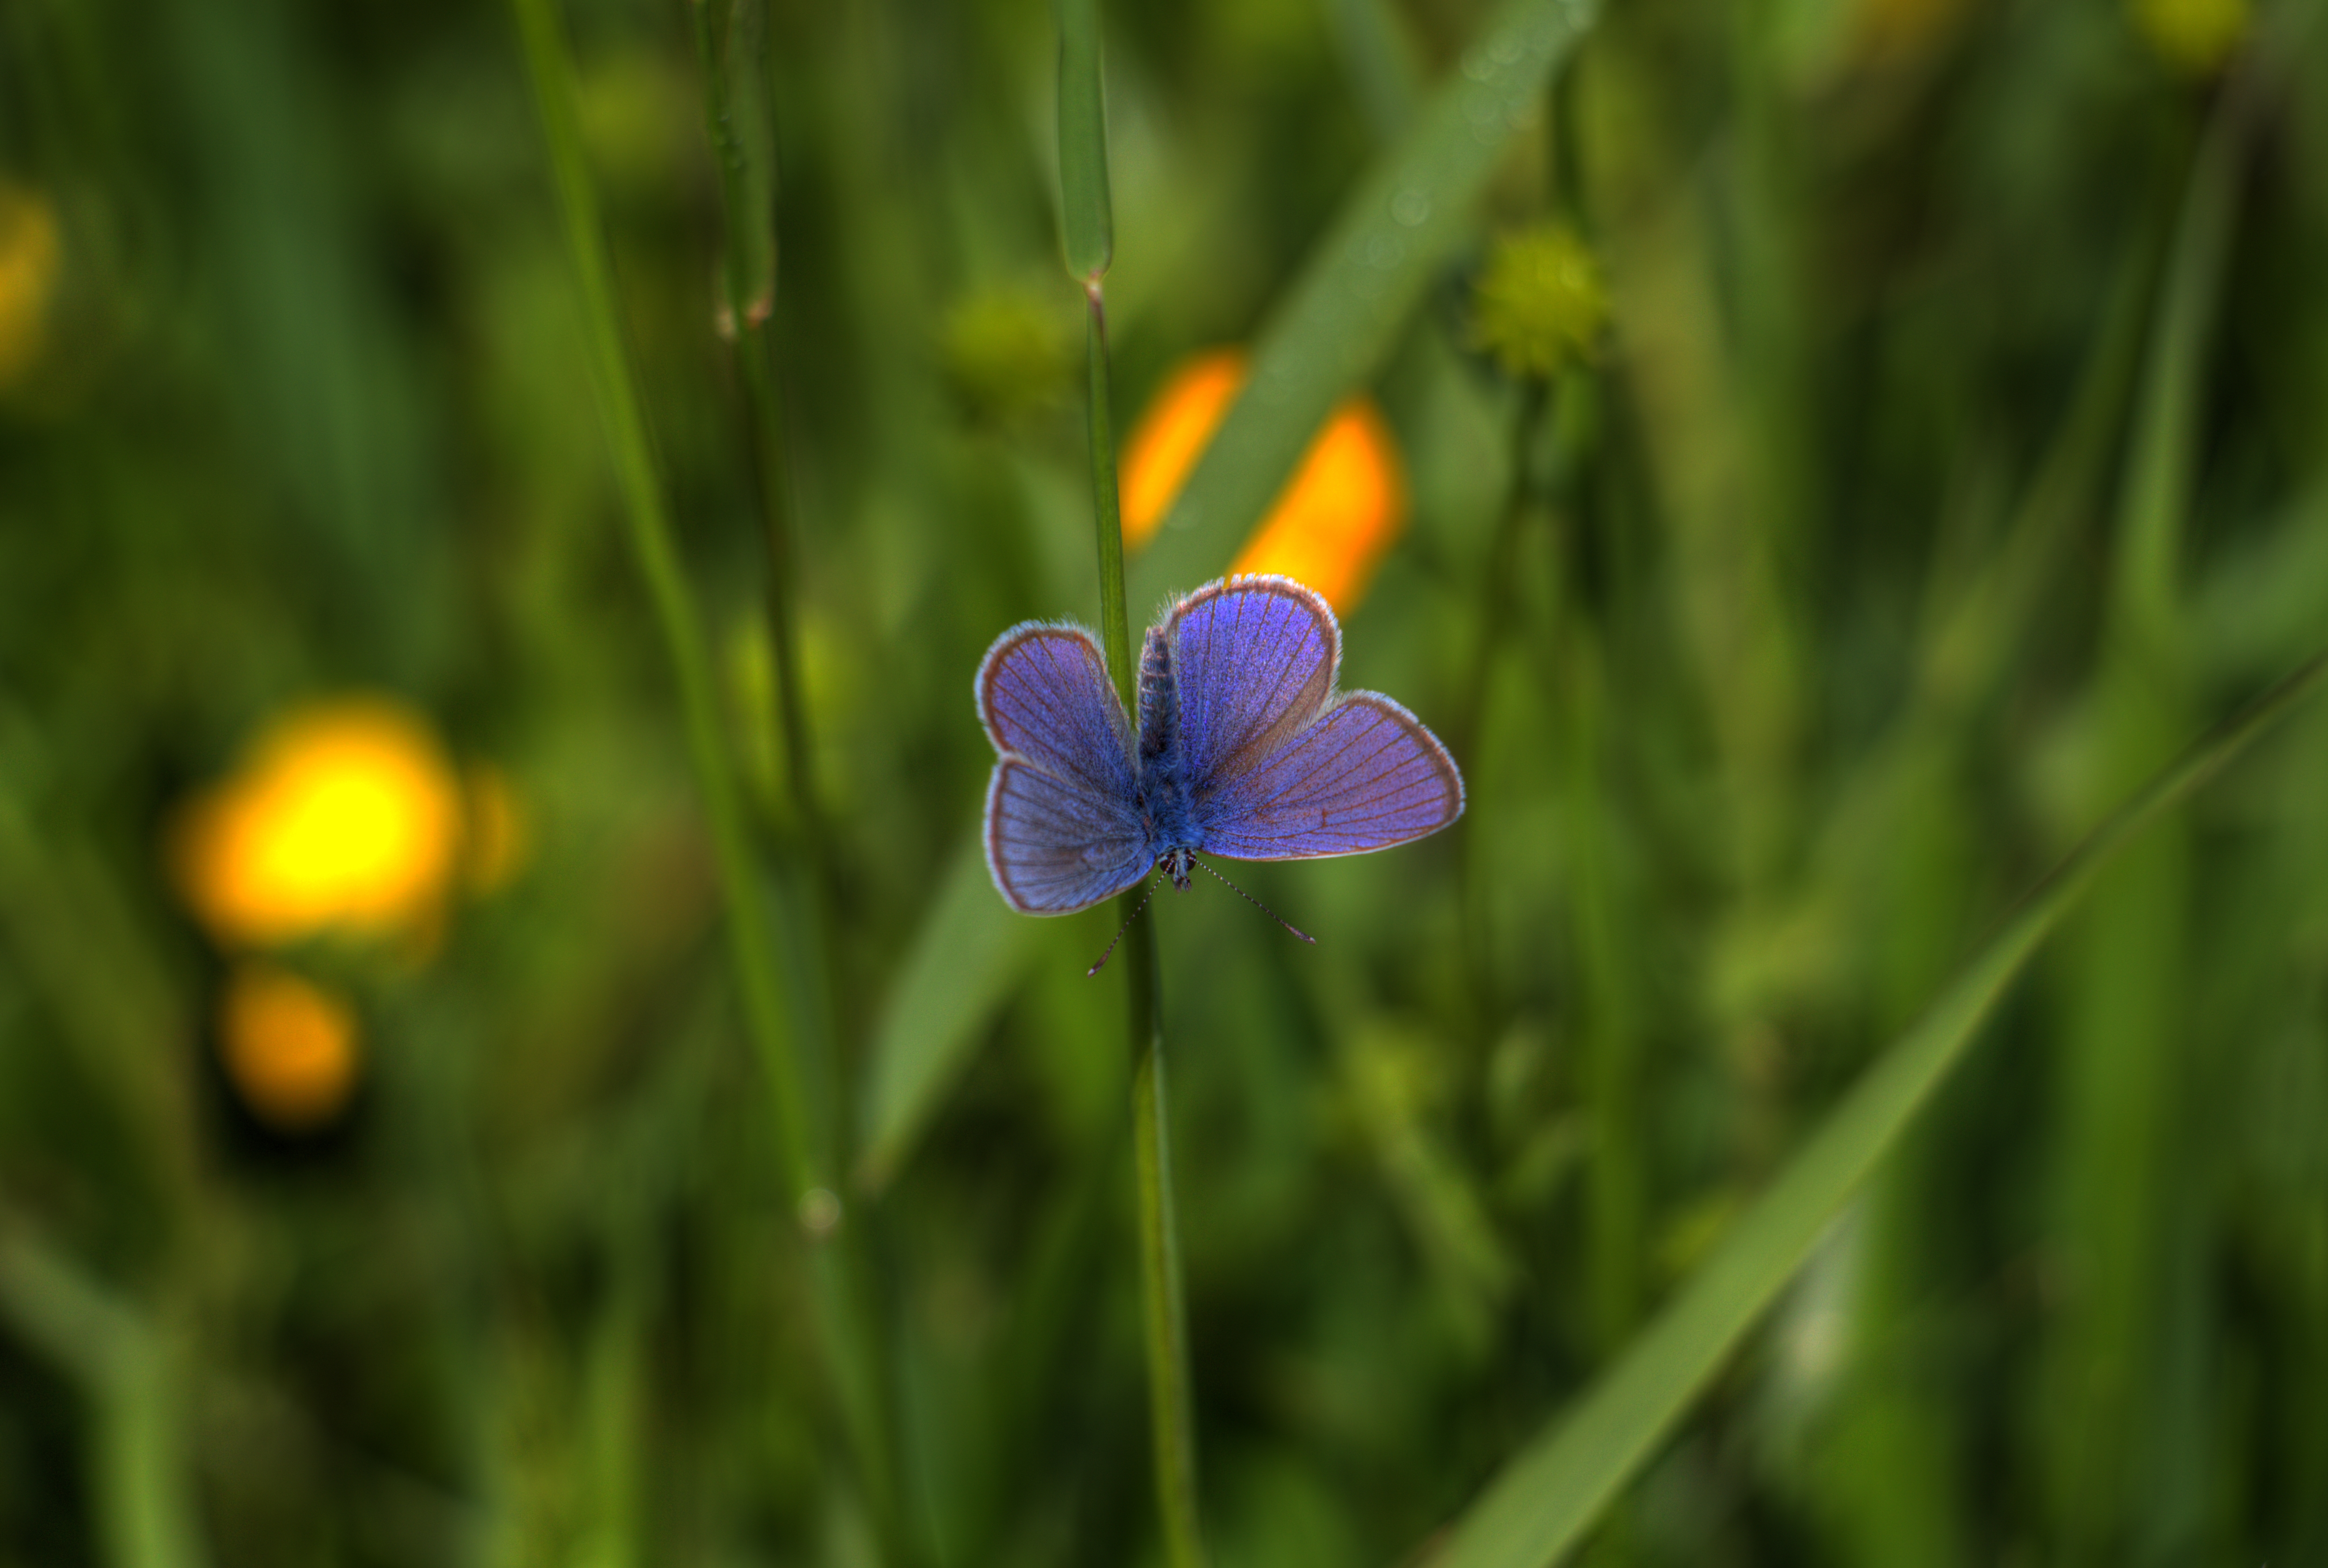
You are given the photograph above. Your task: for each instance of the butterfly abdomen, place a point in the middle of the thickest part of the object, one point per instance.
(1160, 700)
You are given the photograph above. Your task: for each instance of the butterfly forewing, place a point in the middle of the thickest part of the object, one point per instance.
(1044, 694)
(1364, 777)
(1064, 828)
(1254, 660)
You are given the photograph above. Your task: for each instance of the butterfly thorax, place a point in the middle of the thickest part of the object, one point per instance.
(1165, 805)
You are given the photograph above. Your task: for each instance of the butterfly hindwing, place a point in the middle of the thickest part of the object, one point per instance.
(1064, 829)
(1054, 847)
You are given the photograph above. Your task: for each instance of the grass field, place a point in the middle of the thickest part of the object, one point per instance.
(509, 1051)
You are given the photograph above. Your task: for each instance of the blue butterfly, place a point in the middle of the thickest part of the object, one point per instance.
(1243, 750)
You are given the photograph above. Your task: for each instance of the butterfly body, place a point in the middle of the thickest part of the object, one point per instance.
(1167, 810)
(1241, 749)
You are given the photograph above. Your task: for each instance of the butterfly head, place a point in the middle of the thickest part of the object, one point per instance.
(1176, 864)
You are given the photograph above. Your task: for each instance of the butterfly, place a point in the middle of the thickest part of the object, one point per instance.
(1243, 750)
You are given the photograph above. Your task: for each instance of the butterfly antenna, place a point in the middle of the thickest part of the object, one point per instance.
(1257, 904)
(1120, 930)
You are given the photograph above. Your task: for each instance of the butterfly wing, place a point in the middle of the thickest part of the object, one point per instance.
(1254, 664)
(1064, 828)
(1364, 777)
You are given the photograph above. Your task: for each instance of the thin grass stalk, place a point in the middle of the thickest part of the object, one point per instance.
(806, 1151)
(1613, 1180)
(2131, 988)
(1172, 1422)
(843, 1280)
(1087, 230)
(748, 271)
(1601, 988)
(1471, 718)
(1615, 1196)
(1615, 1199)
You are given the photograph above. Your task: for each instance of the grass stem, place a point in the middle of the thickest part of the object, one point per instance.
(806, 1144)
(749, 277)
(1468, 732)
(1172, 1424)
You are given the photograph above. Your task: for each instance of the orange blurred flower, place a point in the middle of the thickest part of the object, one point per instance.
(1335, 517)
(289, 1046)
(346, 817)
(1172, 435)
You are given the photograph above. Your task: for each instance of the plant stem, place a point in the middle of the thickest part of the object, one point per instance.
(805, 1145)
(1464, 733)
(1170, 1418)
(750, 277)
(1172, 1427)
(1087, 233)
(1107, 514)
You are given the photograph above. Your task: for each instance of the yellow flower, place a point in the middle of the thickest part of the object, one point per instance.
(30, 254)
(345, 818)
(2195, 36)
(1333, 522)
(289, 1047)
(1539, 302)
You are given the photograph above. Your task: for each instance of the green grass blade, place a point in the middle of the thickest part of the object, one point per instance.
(140, 1466)
(1087, 214)
(1547, 1497)
(963, 966)
(1385, 75)
(1405, 218)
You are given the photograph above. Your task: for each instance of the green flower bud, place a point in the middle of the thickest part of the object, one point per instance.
(1539, 302)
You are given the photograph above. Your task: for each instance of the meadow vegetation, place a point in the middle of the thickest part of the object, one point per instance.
(508, 1052)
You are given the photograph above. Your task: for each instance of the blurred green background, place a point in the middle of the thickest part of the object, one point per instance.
(1950, 453)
